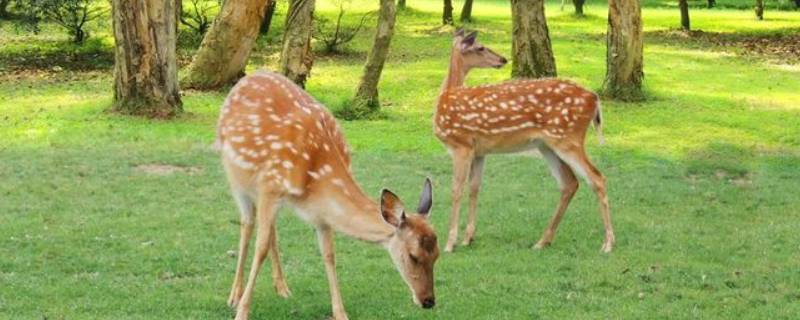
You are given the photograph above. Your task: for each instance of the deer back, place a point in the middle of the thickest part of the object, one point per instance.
(272, 133)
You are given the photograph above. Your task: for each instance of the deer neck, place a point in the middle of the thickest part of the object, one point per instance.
(456, 73)
(343, 206)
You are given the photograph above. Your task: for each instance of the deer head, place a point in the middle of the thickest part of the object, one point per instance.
(473, 54)
(413, 246)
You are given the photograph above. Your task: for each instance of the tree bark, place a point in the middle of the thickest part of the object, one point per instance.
(531, 49)
(296, 56)
(466, 11)
(712, 3)
(684, 7)
(223, 54)
(760, 9)
(797, 4)
(269, 12)
(366, 99)
(624, 51)
(578, 6)
(447, 13)
(146, 67)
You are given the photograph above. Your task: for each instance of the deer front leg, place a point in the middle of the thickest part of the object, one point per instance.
(475, 174)
(247, 212)
(267, 206)
(462, 159)
(325, 236)
(278, 280)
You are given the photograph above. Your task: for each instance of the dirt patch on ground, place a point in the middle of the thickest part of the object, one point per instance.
(783, 47)
(160, 169)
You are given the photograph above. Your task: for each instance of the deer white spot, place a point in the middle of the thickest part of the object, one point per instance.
(287, 164)
(276, 145)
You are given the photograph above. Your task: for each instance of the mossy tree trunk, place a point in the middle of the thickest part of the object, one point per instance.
(466, 11)
(366, 98)
(447, 12)
(684, 7)
(624, 71)
(532, 52)
(760, 9)
(223, 54)
(146, 67)
(578, 6)
(296, 56)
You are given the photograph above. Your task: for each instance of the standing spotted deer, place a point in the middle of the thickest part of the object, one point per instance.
(281, 146)
(550, 115)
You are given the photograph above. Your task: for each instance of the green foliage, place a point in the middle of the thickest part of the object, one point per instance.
(71, 15)
(199, 14)
(334, 36)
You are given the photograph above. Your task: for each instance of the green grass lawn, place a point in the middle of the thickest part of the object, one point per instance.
(703, 183)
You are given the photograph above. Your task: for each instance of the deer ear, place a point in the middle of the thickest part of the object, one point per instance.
(426, 199)
(469, 40)
(392, 208)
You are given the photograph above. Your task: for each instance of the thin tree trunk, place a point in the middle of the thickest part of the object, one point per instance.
(296, 56)
(466, 11)
(447, 13)
(797, 4)
(366, 99)
(269, 12)
(146, 67)
(624, 50)
(760, 9)
(401, 4)
(223, 54)
(712, 3)
(684, 7)
(531, 49)
(578, 6)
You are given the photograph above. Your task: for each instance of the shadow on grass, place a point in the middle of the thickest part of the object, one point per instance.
(56, 55)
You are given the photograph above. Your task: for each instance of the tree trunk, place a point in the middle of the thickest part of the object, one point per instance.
(797, 4)
(760, 9)
(401, 4)
(223, 54)
(466, 11)
(447, 13)
(296, 56)
(712, 3)
(531, 49)
(684, 7)
(146, 67)
(366, 99)
(578, 6)
(269, 12)
(624, 50)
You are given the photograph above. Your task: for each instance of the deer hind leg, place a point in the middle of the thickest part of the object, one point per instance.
(568, 185)
(247, 210)
(267, 210)
(278, 280)
(579, 162)
(461, 164)
(325, 236)
(475, 174)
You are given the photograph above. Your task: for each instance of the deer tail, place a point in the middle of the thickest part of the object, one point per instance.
(598, 124)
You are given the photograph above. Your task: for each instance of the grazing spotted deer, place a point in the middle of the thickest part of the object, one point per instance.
(280, 145)
(550, 115)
